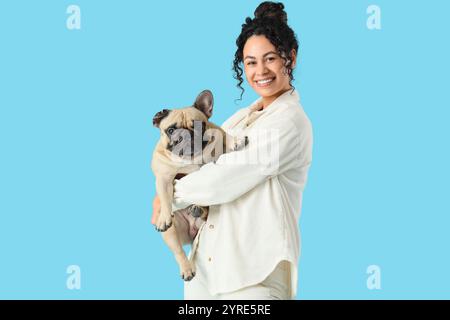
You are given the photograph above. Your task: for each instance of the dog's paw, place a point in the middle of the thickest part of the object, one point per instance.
(187, 270)
(163, 223)
(195, 211)
(240, 143)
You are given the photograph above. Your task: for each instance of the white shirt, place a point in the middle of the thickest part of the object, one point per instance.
(254, 205)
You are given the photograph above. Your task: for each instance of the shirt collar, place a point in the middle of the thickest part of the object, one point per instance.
(288, 96)
(255, 110)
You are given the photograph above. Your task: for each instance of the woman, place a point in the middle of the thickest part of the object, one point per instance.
(249, 246)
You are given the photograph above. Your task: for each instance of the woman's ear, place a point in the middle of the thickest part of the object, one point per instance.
(293, 58)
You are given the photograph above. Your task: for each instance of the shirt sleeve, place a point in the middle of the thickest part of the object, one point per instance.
(269, 152)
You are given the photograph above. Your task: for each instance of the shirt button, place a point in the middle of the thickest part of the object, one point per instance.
(211, 226)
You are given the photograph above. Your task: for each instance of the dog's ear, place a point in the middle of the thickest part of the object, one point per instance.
(204, 103)
(159, 116)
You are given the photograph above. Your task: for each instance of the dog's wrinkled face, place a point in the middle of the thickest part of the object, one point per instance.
(182, 130)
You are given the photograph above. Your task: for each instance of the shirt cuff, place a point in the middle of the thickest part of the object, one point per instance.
(178, 203)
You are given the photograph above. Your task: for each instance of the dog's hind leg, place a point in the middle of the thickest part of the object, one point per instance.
(187, 268)
(198, 211)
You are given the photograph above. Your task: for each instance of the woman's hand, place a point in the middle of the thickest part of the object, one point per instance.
(156, 209)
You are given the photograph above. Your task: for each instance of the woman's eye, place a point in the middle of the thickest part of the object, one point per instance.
(270, 58)
(251, 63)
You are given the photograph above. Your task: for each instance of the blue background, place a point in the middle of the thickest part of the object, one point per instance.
(76, 142)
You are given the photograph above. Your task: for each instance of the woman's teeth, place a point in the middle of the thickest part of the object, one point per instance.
(265, 82)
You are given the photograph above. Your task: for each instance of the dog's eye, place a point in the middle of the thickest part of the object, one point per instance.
(170, 131)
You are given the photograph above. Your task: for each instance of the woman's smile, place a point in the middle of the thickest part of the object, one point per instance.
(264, 83)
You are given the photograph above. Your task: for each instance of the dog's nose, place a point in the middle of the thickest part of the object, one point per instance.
(178, 141)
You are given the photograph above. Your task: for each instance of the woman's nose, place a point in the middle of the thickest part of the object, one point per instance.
(261, 69)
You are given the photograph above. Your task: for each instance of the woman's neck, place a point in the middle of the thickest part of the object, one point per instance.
(266, 101)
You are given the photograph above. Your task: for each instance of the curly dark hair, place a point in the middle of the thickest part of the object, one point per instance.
(271, 21)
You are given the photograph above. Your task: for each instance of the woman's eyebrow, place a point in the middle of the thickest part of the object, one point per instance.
(265, 54)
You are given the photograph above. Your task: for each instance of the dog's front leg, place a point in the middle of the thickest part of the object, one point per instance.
(164, 189)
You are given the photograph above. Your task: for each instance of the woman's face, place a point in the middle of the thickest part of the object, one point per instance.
(264, 68)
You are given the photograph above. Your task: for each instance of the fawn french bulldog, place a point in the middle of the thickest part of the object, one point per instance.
(187, 141)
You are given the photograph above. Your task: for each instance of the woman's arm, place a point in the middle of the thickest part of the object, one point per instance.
(270, 152)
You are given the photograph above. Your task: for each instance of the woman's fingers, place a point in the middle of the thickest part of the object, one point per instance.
(156, 209)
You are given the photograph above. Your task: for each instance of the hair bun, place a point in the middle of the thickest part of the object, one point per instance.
(272, 10)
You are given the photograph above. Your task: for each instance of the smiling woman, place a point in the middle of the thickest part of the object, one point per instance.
(265, 69)
(250, 244)
(268, 48)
